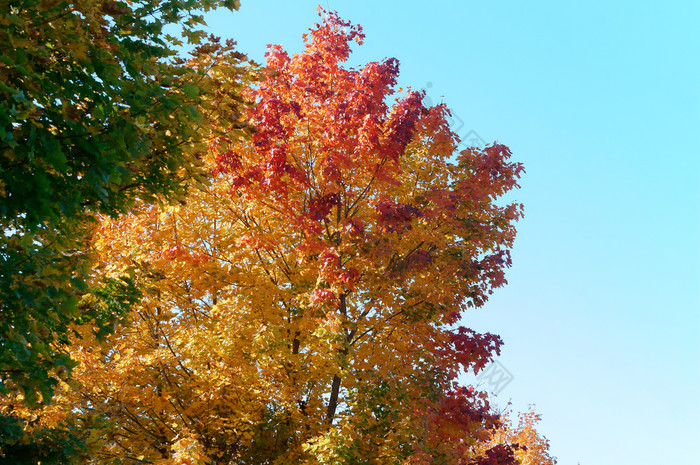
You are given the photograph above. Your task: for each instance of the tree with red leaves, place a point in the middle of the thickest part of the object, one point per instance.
(305, 307)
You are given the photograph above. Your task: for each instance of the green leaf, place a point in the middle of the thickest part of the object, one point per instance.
(190, 90)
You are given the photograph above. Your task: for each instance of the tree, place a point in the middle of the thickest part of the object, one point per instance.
(303, 307)
(95, 112)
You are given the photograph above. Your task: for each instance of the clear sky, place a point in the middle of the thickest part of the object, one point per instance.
(600, 100)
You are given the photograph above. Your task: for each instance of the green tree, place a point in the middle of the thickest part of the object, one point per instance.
(96, 112)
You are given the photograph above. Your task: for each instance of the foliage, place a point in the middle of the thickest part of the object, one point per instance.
(49, 446)
(302, 308)
(95, 112)
(523, 442)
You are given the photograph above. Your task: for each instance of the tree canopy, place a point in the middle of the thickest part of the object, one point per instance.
(206, 263)
(304, 307)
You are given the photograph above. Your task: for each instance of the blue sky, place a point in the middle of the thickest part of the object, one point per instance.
(600, 101)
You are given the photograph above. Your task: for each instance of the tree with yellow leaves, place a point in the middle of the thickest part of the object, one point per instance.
(303, 307)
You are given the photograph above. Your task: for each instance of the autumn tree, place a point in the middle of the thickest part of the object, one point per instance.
(305, 306)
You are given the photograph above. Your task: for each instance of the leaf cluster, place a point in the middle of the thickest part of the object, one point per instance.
(96, 113)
